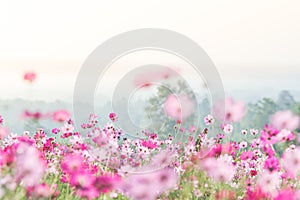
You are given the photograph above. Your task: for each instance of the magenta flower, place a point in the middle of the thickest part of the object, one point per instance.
(55, 130)
(30, 76)
(113, 117)
(286, 194)
(272, 164)
(285, 120)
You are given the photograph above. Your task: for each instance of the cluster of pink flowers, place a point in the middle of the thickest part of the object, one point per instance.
(103, 161)
(57, 116)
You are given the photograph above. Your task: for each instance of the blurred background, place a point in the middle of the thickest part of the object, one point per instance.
(255, 46)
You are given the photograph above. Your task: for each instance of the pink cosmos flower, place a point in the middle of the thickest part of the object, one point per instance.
(149, 186)
(244, 132)
(42, 191)
(29, 167)
(33, 115)
(61, 116)
(113, 117)
(229, 110)
(287, 194)
(291, 161)
(179, 107)
(29, 76)
(67, 128)
(209, 120)
(285, 120)
(162, 159)
(247, 155)
(243, 145)
(268, 181)
(107, 183)
(1, 120)
(219, 169)
(3, 132)
(228, 128)
(253, 131)
(193, 129)
(256, 194)
(272, 164)
(73, 163)
(55, 130)
(285, 135)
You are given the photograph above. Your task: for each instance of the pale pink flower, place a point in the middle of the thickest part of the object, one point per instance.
(148, 186)
(3, 132)
(253, 131)
(229, 110)
(29, 76)
(193, 129)
(285, 120)
(41, 191)
(179, 107)
(269, 181)
(67, 128)
(61, 116)
(243, 145)
(29, 167)
(291, 161)
(228, 128)
(162, 159)
(209, 120)
(244, 132)
(221, 170)
(284, 135)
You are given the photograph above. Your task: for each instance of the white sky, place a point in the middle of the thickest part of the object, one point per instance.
(246, 40)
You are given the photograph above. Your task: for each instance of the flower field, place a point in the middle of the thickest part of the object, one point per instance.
(189, 163)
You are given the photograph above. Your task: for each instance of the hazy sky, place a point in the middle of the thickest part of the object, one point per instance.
(254, 44)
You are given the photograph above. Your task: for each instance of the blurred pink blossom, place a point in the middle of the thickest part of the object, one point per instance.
(148, 186)
(285, 120)
(61, 116)
(179, 107)
(221, 170)
(291, 161)
(30, 169)
(42, 191)
(147, 79)
(268, 181)
(229, 110)
(228, 128)
(29, 76)
(3, 132)
(32, 115)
